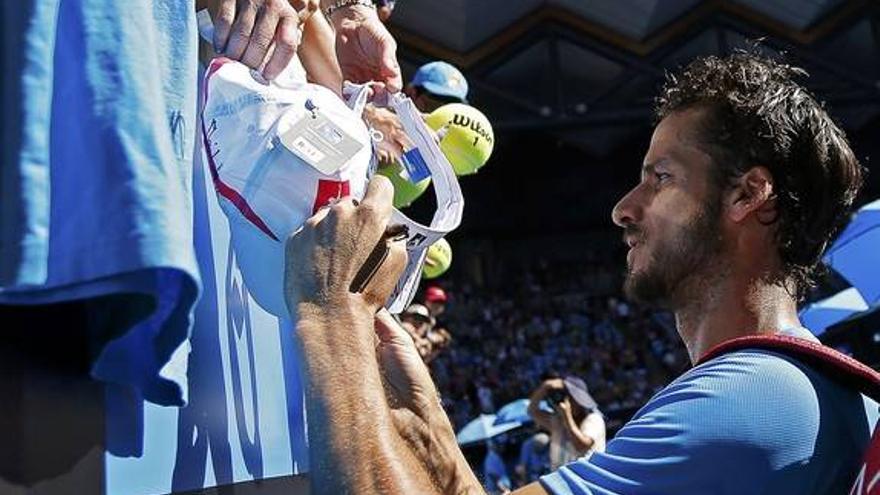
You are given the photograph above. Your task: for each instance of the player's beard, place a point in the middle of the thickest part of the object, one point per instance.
(677, 261)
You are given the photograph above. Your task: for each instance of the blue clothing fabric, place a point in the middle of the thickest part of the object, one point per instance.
(494, 472)
(534, 459)
(750, 421)
(98, 109)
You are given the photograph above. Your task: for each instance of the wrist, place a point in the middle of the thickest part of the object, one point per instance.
(339, 11)
(331, 324)
(320, 310)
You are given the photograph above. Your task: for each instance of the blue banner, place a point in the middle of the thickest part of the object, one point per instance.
(245, 417)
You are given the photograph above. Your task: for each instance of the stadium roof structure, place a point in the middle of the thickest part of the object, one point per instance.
(569, 86)
(587, 70)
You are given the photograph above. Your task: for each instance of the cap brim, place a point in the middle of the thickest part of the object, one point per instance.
(261, 262)
(443, 91)
(581, 396)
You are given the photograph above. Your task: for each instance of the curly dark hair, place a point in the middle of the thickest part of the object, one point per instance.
(757, 114)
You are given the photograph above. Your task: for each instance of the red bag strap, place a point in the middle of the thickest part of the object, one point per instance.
(832, 363)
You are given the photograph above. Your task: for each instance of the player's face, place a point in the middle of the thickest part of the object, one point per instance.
(671, 217)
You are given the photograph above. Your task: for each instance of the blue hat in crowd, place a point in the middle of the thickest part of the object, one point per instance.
(579, 392)
(442, 79)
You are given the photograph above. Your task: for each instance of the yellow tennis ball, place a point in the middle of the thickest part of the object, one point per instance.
(469, 137)
(405, 192)
(438, 259)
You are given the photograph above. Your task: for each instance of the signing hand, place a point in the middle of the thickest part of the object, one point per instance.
(364, 47)
(249, 30)
(323, 259)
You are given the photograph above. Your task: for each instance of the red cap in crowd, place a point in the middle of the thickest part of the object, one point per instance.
(435, 294)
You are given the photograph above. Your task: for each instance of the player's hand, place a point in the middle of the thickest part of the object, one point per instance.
(394, 139)
(364, 47)
(408, 382)
(258, 32)
(416, 413)
(324, 258)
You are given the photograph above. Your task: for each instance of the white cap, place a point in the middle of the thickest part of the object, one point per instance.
(269, 180)
(266, 190)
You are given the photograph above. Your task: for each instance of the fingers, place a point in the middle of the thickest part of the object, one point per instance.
(385, 53)
(384, 157)
(222, 16)
(258, 31)
(264, 28)
(367, 52)
(390, 69)
(287, 38)
(377, 201)
(380, 287)
(240, 33)
(306, 8)
(349, 250)
(318, 217)
(388, 329)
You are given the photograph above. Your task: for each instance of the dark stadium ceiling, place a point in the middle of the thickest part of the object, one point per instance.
(587, 70)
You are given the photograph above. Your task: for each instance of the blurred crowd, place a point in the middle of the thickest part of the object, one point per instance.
(555, 319)
(547, 319)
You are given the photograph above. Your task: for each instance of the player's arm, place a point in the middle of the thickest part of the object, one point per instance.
(374, 418)
(318, 54)
(365, 49)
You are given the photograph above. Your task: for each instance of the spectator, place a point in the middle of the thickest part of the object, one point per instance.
(417, 321)
(484, 395)
(495, 478)
(574, 323)
(433, 85)
(576, 426)
(534, 459)
(435, 300)
(436, 84)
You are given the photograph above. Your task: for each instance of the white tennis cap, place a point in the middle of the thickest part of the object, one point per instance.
(265, 186)
(279, 151)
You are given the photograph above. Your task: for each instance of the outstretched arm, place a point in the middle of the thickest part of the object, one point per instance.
(374, 418)
(318, 54)
(364, 47)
